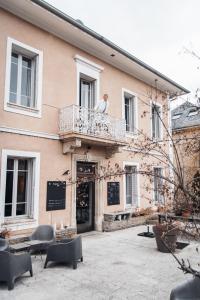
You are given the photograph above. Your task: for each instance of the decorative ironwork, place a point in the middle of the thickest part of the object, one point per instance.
(81, 120)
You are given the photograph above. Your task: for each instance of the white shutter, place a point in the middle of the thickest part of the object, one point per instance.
(134, 187)
(131, 186)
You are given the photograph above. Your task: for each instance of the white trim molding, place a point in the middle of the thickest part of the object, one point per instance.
(135, 133)
(16, 108)
(90, 69)
(20, 223)
(137, 165)
(27, 132)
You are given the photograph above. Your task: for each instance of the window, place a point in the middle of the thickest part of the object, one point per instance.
(158, 184)
(131, 186)
(156, 121)
(23, 89)
(176, 116)
(18, 193)
(22, 80)
(129, 108)
(193, 113)
(88, 82)
(87, 92)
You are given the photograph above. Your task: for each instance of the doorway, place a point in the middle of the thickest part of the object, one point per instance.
(85, 197)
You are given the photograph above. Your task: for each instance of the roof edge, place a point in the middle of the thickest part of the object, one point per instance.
(107, 42)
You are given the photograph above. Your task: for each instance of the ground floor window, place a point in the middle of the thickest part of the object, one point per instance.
(18, 194)
(158, 185)
(131, 186)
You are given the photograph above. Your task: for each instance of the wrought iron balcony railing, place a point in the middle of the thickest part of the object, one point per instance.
(80, 120)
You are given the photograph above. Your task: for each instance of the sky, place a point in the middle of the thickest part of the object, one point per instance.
(155, 31)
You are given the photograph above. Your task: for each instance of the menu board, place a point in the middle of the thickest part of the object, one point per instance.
(56, 195)
(113, 193)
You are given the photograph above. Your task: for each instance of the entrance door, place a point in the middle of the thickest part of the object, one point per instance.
(85, 197)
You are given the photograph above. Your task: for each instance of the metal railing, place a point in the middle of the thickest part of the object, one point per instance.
(81, 120)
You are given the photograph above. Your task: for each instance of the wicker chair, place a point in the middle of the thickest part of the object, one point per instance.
(12, 266)
(4, 246)
(66, 251)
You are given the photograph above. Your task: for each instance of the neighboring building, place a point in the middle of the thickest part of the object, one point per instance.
(186, 130)
(53, 72)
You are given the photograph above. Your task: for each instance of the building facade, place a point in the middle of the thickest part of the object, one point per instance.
(186, 131)
(53, 72)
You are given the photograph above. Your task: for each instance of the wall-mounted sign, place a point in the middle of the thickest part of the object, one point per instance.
(56, 195)
(113, 193)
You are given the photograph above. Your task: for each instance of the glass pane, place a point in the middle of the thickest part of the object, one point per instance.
(14, 58)
(21, 209)
(9, 186)
(13, 98)
(127, 113)
(26, 62)
(22, 164)
(13, 78)
(21, 187)
(10, 164)
(8, 210)
(26, 87)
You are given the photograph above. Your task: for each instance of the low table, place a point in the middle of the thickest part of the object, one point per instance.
(28, 245)
(19, 247)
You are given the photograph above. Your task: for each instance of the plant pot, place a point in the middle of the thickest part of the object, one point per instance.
(186, 213)
(187, 290)
(162, 236)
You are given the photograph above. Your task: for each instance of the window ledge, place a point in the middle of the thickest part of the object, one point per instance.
(19, 223)
(18, 106)
(23, 110)
(131, 135)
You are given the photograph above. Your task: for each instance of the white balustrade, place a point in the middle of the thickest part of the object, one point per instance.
(81, 120)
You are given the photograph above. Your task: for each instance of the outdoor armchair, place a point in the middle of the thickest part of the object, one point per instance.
(45, 234)
(66, 251)
(4, 246)
(12, 266)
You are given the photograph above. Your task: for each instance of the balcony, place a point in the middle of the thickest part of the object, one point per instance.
(79, 125)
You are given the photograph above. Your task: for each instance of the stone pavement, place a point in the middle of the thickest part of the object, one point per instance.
(117, 265)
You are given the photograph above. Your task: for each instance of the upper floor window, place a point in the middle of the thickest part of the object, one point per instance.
(130, 112)
(87, 92)
(156, 121)
(23, 79)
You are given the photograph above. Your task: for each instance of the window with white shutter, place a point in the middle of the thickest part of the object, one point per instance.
(158, 185)
(129, 112)
(131, 186)
(156, 121)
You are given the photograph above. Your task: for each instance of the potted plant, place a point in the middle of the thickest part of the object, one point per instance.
(166, 236)
(4, 233)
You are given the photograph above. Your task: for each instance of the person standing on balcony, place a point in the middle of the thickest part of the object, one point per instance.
(101, 119)
(102, 105)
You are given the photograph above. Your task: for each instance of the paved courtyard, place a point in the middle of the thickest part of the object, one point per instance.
(117, 265)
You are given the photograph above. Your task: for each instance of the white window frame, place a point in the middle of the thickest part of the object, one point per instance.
(28, 188)
(156, 203)
(90, 69)
(17, 108)
(135, 96)
(161, 116)
(20, 222)
(133, 164)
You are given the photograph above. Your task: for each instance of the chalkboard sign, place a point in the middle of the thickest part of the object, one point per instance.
(56, 193)
(113, 193)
